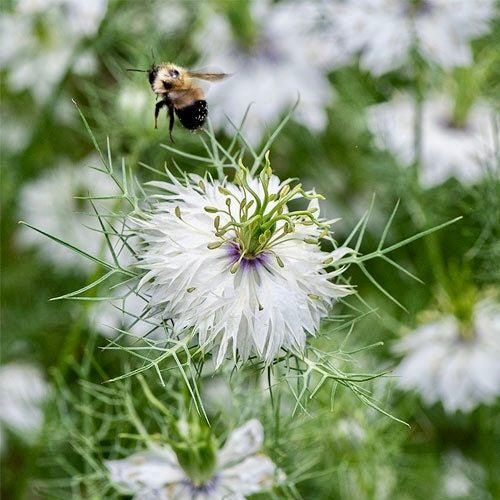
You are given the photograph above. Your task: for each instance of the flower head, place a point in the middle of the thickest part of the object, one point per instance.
(239, 470)
(274, 60)
(384, 32)
(449, 149)
(39, 42)
(454, 360)
(232, 263)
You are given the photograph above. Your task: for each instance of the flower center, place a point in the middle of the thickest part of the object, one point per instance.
(246, 261)
(258, 220)
(204, 488)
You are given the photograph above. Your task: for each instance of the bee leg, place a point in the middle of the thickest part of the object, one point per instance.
(171, 121)
(158, 106)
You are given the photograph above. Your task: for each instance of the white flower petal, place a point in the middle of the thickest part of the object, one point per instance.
(146, 470)
(242, 442)
(252, 475)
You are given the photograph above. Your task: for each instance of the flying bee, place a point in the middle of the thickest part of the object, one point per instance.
(180, 94)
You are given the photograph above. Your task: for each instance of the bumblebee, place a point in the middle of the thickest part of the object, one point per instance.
(180, 94)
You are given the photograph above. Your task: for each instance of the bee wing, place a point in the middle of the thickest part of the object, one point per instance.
(209, 77)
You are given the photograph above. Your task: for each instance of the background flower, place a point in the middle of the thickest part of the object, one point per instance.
(384, 32)
(51, 203)
(276, 64)
(448, 150)
(23, 391)
(40, 40)
(454, 363)
(241, 471)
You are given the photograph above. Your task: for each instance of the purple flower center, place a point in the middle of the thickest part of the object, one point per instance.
(201, 489)
(247, 262)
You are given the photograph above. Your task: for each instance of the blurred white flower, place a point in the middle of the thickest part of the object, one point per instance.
(384, 32)
(39, 40)
(49, 203)
(454, 363)
(125, 313)
(446, 150)
(173, 15)
(241, 471)
(22, 393)
(350, 430)
(226, 262)
(135, 104)
(14, 133)
(461, 476)
(281, 63)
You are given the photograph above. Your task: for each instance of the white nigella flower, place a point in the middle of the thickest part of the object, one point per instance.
(38, 42)
(447, 150)
(232, 264)
(239, 471)
(384, 32)
(50, 204)
(22, 393)
(462, 478)
(277, 62)
(454, 362)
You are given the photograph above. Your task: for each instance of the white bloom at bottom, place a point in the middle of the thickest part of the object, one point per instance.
(443, 364)
(241, 471)
(235, 266)
(447, 150)
(22, 393)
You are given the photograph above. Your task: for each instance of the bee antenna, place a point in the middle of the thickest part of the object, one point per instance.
(153, 57)
(139, 70)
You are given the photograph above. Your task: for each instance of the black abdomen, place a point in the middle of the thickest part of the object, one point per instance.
(193, 116)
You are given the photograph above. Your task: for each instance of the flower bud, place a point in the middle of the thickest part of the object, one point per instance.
(214, 245)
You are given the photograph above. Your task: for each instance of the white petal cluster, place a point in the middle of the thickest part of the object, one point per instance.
(206, 284)
(22, 393)
(39, 40)
(241, 471)
(384, 32)
(284, 61)
(441, 365)
(49, 203)
(446, 150)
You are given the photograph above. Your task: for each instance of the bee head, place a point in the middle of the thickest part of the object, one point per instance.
(152, 73)
(169, 76)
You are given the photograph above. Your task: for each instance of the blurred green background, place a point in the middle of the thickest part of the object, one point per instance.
(57, 52)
